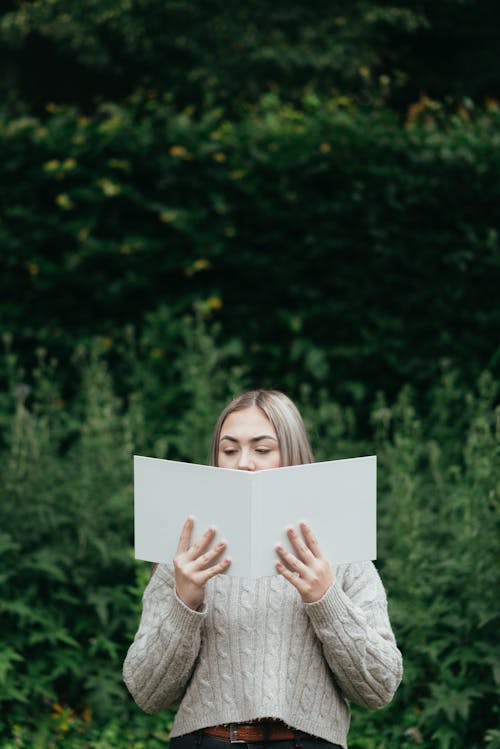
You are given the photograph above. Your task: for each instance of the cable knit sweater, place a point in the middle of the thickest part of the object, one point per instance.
(257, 651)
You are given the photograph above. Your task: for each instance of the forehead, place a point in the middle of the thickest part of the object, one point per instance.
(248, 422)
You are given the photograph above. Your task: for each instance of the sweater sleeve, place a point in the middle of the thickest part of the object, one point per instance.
(353, 626)
(161, 658)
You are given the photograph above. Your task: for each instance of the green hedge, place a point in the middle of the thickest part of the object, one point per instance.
(229, 53)
(70, 588)
(338, 245)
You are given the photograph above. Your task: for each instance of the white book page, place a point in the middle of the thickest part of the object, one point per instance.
(167, 491)
(251, 510)
(336, 498)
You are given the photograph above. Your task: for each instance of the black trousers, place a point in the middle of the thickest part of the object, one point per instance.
(200, 740)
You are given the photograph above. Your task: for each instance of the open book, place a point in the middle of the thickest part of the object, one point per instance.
(251, 510)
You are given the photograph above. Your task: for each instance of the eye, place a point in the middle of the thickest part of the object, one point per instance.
(229, 451)
(263, 450)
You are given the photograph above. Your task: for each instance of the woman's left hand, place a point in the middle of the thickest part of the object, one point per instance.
(309, 571)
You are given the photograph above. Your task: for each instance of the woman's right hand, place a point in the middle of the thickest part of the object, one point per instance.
(194, 565)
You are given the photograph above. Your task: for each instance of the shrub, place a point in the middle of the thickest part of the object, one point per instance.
(342, 247)
(70, 587)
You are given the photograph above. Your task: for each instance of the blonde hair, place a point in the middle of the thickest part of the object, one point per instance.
(283, 415)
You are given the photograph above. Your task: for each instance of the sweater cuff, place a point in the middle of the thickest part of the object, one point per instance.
(333, 605)
(188, 609)
(181, 620)
(181, 614)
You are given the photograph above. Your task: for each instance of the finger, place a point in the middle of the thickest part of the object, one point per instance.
(201, 545)
(311, 541)
(207, 559)
(303, 552)
(292, 578)
(291, 561)
(206, 575)
(185, 537)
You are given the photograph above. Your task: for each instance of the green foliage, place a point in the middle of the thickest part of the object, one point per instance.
(64, 602)
(184, 374)
(69, 594)
(63, 728)
(339, 247)
(70, 589)
(227, 53)
(439, 521)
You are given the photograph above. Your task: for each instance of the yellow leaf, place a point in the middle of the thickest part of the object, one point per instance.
(168, 216)
(179, 152)
(52, 165)
(214, 302)
(33, 269)
(64, 201)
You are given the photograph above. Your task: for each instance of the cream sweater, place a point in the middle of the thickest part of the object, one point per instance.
(257, 651)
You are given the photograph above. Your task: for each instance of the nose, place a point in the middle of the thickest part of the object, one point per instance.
(245, 463)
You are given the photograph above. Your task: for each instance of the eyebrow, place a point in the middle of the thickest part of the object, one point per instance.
(254, 439)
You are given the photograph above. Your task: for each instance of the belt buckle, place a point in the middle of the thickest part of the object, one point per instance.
(233, 734)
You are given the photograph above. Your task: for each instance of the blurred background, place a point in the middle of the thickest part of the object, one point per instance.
(201, 198)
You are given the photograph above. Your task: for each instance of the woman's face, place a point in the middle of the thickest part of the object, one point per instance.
(248, 442)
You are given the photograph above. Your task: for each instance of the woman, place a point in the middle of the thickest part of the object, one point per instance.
(272, 659)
